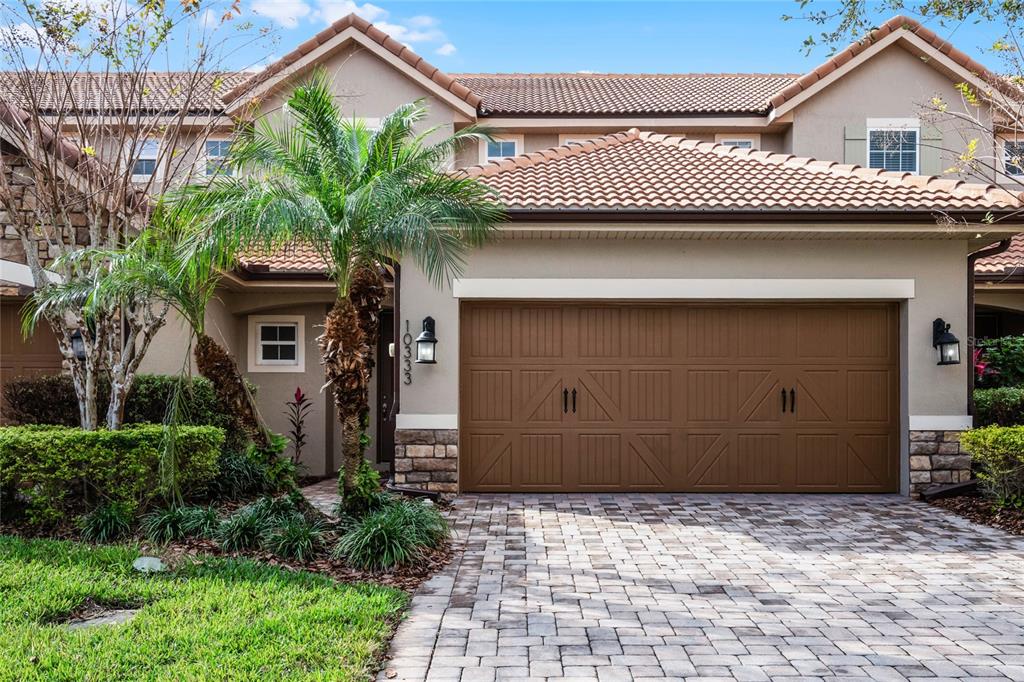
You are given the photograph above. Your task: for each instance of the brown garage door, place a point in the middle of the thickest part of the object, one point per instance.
(599, 397)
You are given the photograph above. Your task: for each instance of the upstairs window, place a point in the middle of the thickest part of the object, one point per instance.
(216, 155)
(739, 140)
(893, 148)
(1013, 157)
(144, 165)
(500, 149)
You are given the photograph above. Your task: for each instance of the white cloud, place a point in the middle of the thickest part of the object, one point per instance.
(332, 10)
(422, 21)
(445, 50)
(285, 12)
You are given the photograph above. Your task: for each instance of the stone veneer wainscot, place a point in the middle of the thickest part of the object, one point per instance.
(427, 459)
(936, 459)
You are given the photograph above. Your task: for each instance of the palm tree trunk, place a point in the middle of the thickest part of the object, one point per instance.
(217, 365)
(350, 335)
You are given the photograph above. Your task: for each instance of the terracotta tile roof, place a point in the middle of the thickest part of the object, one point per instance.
(295, 259)
(352, 21)
(1009, 262)
(624, 94)
(650, 171)
(163, 91)
(892, 25)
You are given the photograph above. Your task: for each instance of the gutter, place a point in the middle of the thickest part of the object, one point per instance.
(520, 214)
(971, 260)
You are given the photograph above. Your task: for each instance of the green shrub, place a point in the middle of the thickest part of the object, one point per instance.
(52, 400)
(1005, 356)
(280, 472)
(199, 522)
(364, 496)
(164, 525)
(999, 453)
(396, 535)
(238, 476)
(295, 537)
(1000, 406)
(107, 522)
(63, 469)
(242, 530)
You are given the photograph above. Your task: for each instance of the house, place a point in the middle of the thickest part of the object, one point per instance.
(707, 282)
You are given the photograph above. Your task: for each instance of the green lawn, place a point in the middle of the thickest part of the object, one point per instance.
(218, 620)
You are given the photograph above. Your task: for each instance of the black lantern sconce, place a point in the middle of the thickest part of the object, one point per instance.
(426, 343)
(78, 345)
(945, 343)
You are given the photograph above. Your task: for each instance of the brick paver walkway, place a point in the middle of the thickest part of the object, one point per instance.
(323, 495)
(615, 587)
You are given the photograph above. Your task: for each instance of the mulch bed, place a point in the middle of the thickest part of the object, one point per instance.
(406, 578)
(981, 510)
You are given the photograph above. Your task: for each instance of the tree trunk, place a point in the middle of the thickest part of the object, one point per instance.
(366, 292)
(118, 398)
(345, 356)
(217, 365)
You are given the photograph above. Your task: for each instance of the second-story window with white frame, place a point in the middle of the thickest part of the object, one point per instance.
(215, 158)
(1013, 157)
(502, 147)
(144, 165)
(739, 140)
(894, 144)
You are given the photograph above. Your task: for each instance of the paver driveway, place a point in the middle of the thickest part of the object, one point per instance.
(614, 587)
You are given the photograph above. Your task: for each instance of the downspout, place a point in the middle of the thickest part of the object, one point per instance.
(971, 260)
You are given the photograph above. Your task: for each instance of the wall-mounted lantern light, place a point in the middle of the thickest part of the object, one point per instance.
(78, 345)
(947, 345)
(425, 343)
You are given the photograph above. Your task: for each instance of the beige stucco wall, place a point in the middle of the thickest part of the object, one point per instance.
(892, 84)
(1007, 300)
(938, 268)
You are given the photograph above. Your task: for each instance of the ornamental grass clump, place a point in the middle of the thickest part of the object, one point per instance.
(295, 537)
(107, 523)
(394, 536)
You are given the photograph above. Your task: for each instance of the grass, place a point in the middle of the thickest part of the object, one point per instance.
(214, 619)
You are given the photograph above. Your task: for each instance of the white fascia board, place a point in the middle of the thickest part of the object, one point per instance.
(685, 289)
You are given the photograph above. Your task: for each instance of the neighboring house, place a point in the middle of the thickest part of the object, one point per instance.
(999, 293)
(682, 299)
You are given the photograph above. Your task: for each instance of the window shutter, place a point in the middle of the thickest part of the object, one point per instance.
(856, 145)
(930, 162)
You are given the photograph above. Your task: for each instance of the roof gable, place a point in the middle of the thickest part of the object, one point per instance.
(938, 54)
(651, 172)
(333, 38)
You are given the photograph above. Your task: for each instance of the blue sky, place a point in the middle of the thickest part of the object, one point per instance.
(538, 36)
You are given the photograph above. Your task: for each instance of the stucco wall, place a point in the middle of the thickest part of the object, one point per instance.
(938, 268)
(892, 84)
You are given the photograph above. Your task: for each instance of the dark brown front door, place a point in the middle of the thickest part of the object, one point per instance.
(385, 370)
(605, 397)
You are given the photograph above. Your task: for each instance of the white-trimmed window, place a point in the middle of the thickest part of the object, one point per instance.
(1013, 157)
(742, 141)
(144, 165)
(501, 147)
(215, 154)
(276, 343)
(579, 138)
(894, 144)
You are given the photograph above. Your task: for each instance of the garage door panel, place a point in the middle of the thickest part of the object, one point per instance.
(674, 397)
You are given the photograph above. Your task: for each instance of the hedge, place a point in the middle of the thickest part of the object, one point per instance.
(64, 470)
(999, 406)
(999, 453)
(1005, 358)
(52, 400)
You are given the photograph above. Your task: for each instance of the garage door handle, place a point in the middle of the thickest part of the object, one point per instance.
(565, 401)
(792, 400)
(574, 401)
(783, 401)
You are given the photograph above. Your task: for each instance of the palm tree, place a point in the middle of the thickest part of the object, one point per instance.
(361, 198)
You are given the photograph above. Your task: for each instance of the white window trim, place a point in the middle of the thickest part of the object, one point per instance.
(299, 366)
(755, 138)
(203, 157)
(1002, 144)
(876, 124)
(157, 171)
(566, 138)
(518, 139)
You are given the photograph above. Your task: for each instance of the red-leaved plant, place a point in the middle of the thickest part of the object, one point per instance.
(297, 411)
(982, 368)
